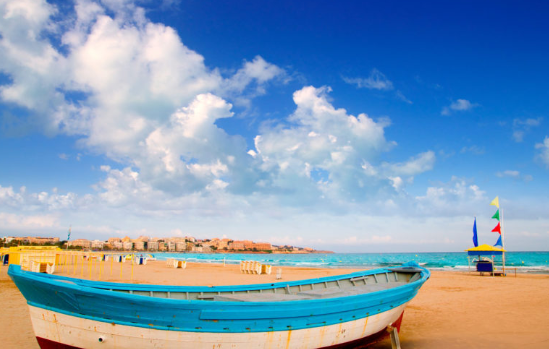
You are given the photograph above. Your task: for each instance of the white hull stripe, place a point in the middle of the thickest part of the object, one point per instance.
(86, 333)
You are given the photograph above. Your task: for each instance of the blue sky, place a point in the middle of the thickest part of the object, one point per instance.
(357, 126)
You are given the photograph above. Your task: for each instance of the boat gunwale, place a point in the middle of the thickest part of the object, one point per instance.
(16, 270)
(84, 286)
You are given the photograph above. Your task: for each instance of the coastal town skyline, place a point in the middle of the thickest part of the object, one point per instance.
(350, 127)
(159, 244)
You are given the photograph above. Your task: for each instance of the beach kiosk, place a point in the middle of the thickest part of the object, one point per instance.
(480, 257)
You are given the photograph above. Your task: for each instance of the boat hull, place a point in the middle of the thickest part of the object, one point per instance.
(58, 330)
(332, 312)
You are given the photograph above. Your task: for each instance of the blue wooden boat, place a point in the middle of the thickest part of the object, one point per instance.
(344, 311)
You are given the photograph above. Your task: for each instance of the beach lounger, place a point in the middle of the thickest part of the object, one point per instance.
(266, 269)
(42, 267)
(257, 268)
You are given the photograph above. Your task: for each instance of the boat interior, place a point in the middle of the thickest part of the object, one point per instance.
(308, 290)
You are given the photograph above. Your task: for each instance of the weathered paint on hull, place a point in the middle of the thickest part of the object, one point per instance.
(57, 330)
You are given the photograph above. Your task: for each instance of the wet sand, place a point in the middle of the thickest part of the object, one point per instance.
(452, 310)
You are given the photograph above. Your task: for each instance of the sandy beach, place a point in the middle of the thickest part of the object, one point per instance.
(452, 310)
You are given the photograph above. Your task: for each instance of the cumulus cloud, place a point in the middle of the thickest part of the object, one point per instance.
(257, 73)
(320, 137)
(22, 200)
(459, 105)
(455, 197)
(117, 78)
(376, 81)
(130, 89)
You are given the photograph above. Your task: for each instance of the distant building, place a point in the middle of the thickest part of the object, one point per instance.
(127, 245)
(80, 243)
(112, 241)
(21, 239)
(42, 241)
(140, 245)
(32, 240)
(237, 245)
(180, 246)
(171, 246)
(263, 246)
(152, 246)
(224, 243)
(97, 244)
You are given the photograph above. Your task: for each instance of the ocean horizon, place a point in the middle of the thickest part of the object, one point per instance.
(525, 262)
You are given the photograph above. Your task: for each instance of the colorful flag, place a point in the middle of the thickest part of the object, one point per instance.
(69, 236)
(497, 229)
(475, 237)
(499, 243)
(495, 202)
(496, 215)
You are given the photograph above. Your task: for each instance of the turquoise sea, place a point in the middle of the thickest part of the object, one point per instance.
(531, 262)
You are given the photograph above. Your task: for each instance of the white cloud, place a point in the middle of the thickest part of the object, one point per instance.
(376, 81)
(515, 175)
(19, 221)
(416, 165)
(258, 70)
(120, 77)
(459, 105)
(33, 65)
(402, 97)
(543, 155)
(130, 89)
(452, 198)
(474, 149)
(40, 201)
(320, 138)
(397, 183)
(509, 173)
(523, 126)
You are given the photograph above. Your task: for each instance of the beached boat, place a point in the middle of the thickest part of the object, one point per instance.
(344, 311)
